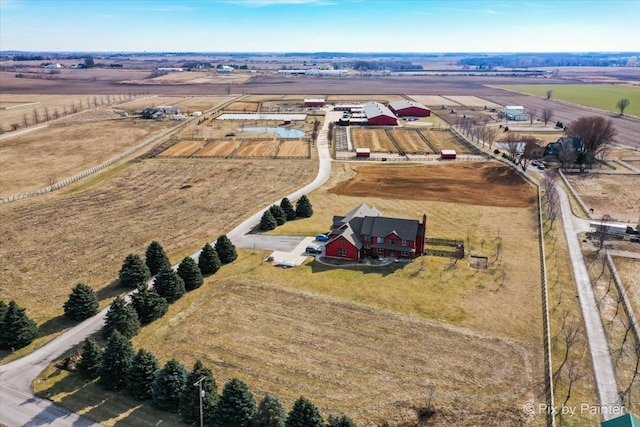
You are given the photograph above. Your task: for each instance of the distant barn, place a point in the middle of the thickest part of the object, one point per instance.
(406, 108)
(314, 102)
(379, 115)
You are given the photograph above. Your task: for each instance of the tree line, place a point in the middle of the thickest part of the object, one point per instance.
(279, 214)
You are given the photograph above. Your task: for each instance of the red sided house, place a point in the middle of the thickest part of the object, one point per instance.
(365, 232)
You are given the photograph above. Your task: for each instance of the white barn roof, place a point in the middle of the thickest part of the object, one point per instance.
(375, 109)
(405, 103)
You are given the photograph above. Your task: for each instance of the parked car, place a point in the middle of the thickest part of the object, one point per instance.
(322, 238)
(540, 166)
(314, 250)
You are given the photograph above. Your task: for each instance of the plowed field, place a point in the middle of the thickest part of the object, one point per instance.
(293, 148)
(256, 149)
(183, 148)
(410, 141)
(375, 139)
(218, 148)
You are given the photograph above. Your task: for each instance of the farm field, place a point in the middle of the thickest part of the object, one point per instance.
(471, 101)
(434, 119)
(344, 99)
(203, 103)
(68, 236)
(218, 148)
(410, 141)
(256, 149)
(614, 195)
(603, 97)
(196, 77)
(152, 101)
(433, 100)
(243, 106)
(375, 139)
(182, 148)
(35, 159)
(445, 140)
(293, 148)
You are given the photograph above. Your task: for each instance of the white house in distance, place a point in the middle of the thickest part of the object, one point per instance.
(225, 69)
(515, 113)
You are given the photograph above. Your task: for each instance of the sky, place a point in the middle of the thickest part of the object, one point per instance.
(320, 25)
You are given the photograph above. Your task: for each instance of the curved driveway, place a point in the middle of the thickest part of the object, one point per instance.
(18, 405)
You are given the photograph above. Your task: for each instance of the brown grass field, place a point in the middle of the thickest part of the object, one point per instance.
(256, 149)
(470, 101)
(344, 99)
(375, 139)
(243, 106)
(32, 160)
(614, 195)
(293, 148)
(82, 233)
(409, 141)
(152, 101)
(628, 269)
(203, 103)
(433, 100)
(183, 148)
(445, 140)
(218, 148)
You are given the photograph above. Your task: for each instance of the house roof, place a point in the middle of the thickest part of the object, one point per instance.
(406, 229)
(405, 103)
(375, 109)
(511, 112)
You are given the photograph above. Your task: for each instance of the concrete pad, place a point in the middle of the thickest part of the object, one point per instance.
(298, 255)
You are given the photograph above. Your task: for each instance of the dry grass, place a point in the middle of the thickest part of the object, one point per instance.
(345, 99)
(614, 195)
(294, 148)
(152, 101)
(628, 269)
(256, 149)
(410, 141)
(35, 159)
(375, 139)
(433, 100)
(243, 106)
(218, 149)
(445, 140)
(202, 103)
(82, 233)
(471, 101)
(183, 148)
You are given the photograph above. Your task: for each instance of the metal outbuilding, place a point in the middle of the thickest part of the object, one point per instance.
(379, 115)
(404, 107)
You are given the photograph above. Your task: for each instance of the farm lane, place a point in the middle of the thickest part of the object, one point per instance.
(20, 407)
(604, 374)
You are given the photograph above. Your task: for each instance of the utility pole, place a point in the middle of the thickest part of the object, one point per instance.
(201, 395)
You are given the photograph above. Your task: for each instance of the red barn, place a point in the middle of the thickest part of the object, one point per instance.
(405, 108)
(365, 232)
(379, 115)
(314, 102)
(448, 154)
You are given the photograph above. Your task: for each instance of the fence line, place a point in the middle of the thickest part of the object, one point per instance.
(574, 194)
(626, 304)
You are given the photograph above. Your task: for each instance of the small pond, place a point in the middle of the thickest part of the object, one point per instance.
(282, 132)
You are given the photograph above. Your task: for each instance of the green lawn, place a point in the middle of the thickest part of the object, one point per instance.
(604, 97)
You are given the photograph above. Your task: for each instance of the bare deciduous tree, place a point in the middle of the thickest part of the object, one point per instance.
(35, 116)
(24, 120)
(15, 126)
(532, 115)
(596, 133)
(622, 104)
(547, 115)
(570, 336)
(549, 182)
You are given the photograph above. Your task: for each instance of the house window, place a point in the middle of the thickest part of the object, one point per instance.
(367, 246)
(380, 251)
(392, 242)
(404, 253)
(367, 238)
(379, 239)
(405, 243)
(342, 252)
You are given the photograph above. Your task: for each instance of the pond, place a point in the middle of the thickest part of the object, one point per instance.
(282, 132)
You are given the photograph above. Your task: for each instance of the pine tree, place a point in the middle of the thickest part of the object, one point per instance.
(190, 273)
(340, 421)
(236, 406)
(288, 209)
(190, 398)
(304, 208)
(82, 303)
(91, 362)
(169, 384)
(225, 249)
(134, 273)
(121, 317)
(268, 222)
(169, 285)
(279, 214)
(270, 413)
(17, 330)
(142, 374)
(156, 258)
(116, 361)
(3, 310)
(304, 414)
(148, 305)
(209, 262)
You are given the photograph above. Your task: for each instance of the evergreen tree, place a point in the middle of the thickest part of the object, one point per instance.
(268, 222)
(190, 398)
(91, 362)
(148, 305)
(236, 406)
(209, 262)
(304, 208)
(169, 384)
(134, 273)
(270, 413)
(190, 273)
(341, 421)
(156, 258)
(288, 209)
(169, 285)
(82, 303)
(226, 250)
(17, 330)
(121, 317)
(141, 374)
(304, 414)
(279, 214)
(116, 361)
(3, 309)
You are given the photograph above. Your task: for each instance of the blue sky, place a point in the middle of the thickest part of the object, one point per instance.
(320, 25)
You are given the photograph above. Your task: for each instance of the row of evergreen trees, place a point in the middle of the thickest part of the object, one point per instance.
(173, 389)
(17, 330)
(278, 215)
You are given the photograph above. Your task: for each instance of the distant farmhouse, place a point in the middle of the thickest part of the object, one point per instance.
(225, 69)
(515, 113)
(562, 146)
(364, 232)
(406, 108)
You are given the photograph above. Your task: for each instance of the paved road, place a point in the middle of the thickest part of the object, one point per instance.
(603, 371)
(18, 405)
